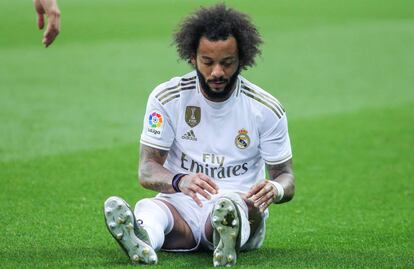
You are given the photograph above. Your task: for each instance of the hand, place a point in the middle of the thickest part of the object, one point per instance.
(50, 8)
(262, 194)
(199, 183)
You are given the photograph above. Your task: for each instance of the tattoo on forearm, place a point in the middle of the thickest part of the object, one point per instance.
(278, 169)
(152, 173)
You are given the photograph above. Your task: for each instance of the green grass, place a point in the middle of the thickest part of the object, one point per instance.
(71, 118)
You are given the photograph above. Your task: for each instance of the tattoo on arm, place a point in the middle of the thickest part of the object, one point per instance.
(152, 174)
(149, 153)
(276, 170)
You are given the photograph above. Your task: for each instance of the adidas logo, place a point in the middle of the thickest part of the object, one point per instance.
(189, 136)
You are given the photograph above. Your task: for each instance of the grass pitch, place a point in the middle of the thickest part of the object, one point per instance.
(71, 117)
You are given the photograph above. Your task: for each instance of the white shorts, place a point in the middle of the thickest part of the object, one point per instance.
(196, 218)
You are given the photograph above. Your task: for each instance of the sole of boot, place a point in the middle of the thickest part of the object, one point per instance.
(120, 222)
(226, 223)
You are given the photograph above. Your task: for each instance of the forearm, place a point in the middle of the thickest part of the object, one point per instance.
(287, 181)
(154, 176)
(283, 174)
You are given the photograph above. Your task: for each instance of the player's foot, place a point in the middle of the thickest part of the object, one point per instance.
(130, 235)
(225, 220)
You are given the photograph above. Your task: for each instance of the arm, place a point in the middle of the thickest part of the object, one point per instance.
(51, 9)
(283, 174)
(154, 176)
(264, 193)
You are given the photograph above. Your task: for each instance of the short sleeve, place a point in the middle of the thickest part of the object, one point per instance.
(157, 131)
(274, 140)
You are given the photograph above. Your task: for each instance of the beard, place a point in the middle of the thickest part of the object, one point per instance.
(217, 96)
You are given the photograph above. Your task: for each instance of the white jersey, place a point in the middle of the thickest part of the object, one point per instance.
(229, 141)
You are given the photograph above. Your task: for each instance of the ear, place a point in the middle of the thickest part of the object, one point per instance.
(193, 59)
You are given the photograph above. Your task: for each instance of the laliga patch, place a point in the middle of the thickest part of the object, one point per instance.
(155, 124)
(242, 140)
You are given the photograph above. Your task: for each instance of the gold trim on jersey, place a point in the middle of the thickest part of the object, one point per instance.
(266, 96)
(265, 99)
(171, 93)
(170, 99)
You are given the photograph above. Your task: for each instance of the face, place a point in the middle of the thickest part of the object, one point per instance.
(217, 65)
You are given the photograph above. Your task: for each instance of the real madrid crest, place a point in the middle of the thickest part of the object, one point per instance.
(192, 115)
(242, 140)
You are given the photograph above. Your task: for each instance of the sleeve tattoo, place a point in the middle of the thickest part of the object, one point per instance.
(152, 174)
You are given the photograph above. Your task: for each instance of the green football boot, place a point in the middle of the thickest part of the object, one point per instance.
(128, 232)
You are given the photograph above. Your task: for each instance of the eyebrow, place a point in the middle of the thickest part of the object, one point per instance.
(224, 59)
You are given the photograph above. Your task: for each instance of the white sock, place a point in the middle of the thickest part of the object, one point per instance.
(245, 226)
(156, 219)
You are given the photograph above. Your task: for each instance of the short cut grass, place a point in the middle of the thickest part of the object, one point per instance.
(218, 22)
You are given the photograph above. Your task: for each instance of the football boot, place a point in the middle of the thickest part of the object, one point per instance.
(128, 232)
(225, 220)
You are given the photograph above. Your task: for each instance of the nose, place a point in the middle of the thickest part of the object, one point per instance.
(217, 71)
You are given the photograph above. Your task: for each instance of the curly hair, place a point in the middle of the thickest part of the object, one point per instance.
(218, 22)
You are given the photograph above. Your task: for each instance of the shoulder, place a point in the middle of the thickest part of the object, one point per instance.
(171, 90)
(262, 100)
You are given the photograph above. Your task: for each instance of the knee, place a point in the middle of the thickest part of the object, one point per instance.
(144, 204)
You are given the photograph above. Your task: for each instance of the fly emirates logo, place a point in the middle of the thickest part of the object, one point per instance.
(213, 166)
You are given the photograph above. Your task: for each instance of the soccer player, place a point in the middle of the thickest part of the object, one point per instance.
(207, 138)
(51, 9)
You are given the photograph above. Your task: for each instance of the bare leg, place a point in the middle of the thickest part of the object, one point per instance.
(181, 236)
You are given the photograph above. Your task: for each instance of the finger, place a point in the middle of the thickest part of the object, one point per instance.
(40, 21)
(40, 12)
(264, 194)
(195, 198)
(265, 205)
(206, 186)
(52, 29)
(250, 192)
(269, 196)
(203, 193)
(254, 190)
(49, 37)
(50, 34)
(265, 189)
(209, 181)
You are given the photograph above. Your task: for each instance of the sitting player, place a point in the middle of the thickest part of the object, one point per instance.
(206, 139)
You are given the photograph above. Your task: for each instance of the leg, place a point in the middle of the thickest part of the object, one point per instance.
(230, 226)
(181, 236)
(166, 227)
(153, 224)
(257, 222)
(225, 220)
(133, 239)
(255, 218)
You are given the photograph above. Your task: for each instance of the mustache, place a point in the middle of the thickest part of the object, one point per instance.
(218, 80)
